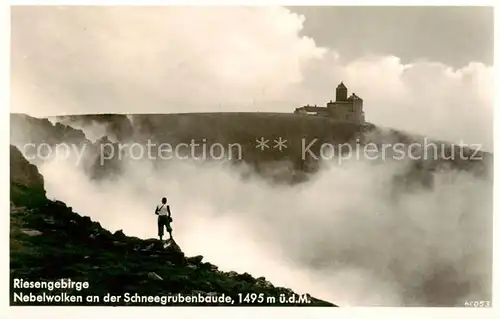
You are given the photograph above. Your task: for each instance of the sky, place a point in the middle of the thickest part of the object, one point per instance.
(410, 33)
(423, 70)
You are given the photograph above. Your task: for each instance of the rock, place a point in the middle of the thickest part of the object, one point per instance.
(119, 243)
(213, 268)
(50, 220)
(182, 277)
(196, 260)
(149, 247)
(154, 276)
(27, 184)
(86, 221)
(31, 232)
(264, 283)
(119, 234)
(246, 277)
(171, 245)
(192, 267)
(288, 291)
(261, 281)
(232, 274)
(14, 209)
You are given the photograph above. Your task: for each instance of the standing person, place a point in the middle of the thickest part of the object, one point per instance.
(164, 218)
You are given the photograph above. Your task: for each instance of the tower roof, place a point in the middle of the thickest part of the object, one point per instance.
(341, 86)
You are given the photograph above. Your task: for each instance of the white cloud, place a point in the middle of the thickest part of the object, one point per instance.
(168, 60)
(342, 236)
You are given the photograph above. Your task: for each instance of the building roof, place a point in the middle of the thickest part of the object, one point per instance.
(310, 108)
(354, 97)
(341, 86)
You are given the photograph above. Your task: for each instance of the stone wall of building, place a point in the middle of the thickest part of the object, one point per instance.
(344, 108)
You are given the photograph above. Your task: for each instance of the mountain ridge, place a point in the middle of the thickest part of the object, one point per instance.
(243, 129)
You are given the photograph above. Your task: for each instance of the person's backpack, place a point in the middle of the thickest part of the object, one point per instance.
(169, 217)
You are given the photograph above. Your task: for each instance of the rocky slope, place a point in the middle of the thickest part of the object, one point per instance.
(50, 242)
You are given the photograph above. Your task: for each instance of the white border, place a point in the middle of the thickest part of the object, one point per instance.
(5, 136)
(261, 2)
(186, 312)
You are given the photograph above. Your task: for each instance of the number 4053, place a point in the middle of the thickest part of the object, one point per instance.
(477, 303)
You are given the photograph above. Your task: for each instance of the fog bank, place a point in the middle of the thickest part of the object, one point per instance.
(348, 236)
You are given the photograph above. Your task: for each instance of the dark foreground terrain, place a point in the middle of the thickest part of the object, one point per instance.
(49, 242)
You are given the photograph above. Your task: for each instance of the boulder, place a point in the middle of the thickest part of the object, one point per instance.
(196, 260)
(246, 277)
(154, 276)
(119, 234)
(26, 182)
(32, 232)
(171, 246)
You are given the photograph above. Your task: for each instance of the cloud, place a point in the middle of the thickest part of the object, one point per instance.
(73, 60)
(349, 236)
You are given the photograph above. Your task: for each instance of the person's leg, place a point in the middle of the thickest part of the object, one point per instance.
(169, 229)
(160, 227)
